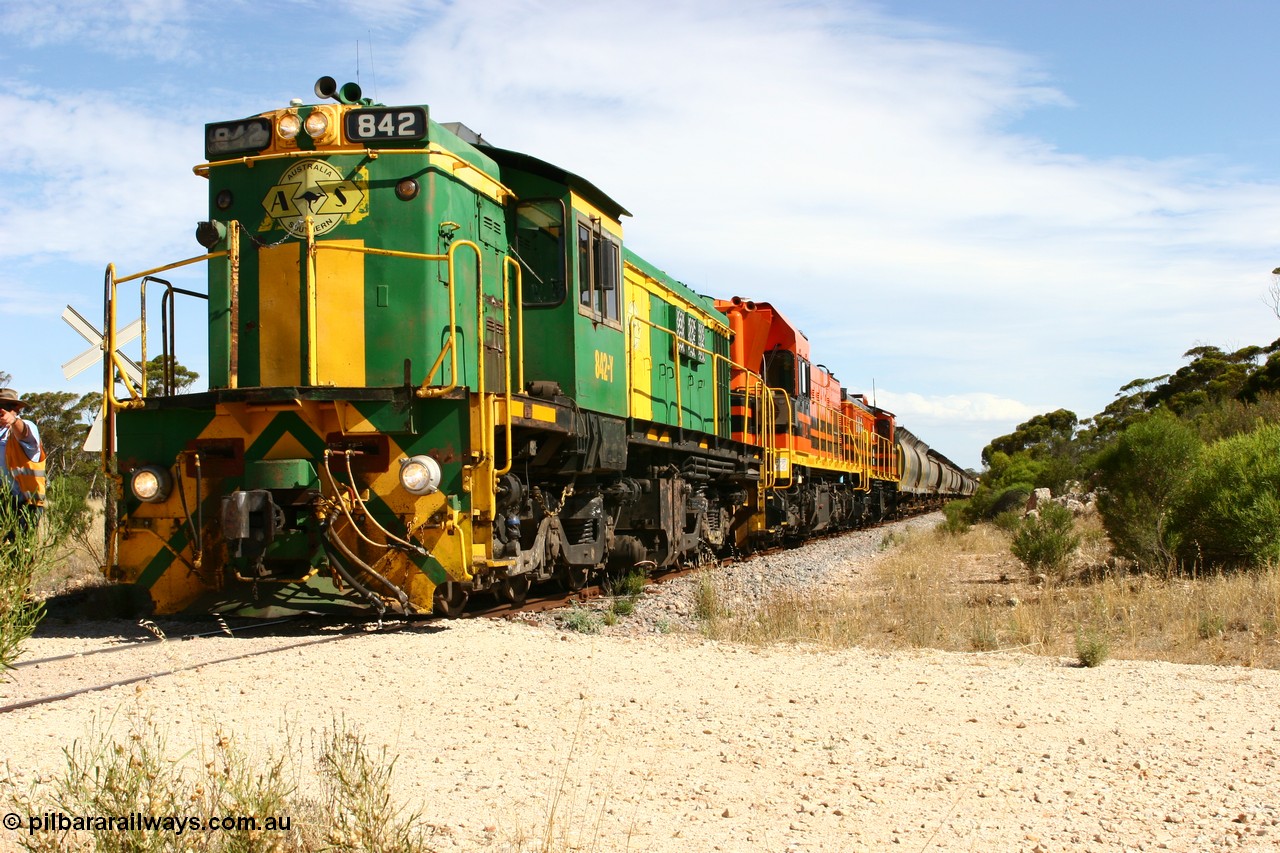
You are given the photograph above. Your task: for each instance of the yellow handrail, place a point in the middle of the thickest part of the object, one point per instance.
(507, 264)
(309, 288)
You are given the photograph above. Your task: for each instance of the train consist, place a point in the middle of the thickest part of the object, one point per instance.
(436, 370)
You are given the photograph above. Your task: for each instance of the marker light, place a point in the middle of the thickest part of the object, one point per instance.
(420, 475)
(407, 189)
(288, 126)
(151, 484)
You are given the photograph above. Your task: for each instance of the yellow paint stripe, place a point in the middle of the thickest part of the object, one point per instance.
(545, 414)
(340, 319)
(472, 176)
(640, 382)
(280, 301)
(581, 205)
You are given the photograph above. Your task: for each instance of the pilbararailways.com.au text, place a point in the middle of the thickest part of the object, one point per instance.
(139, 822)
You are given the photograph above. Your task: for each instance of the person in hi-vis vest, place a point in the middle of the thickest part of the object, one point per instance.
(23, 472)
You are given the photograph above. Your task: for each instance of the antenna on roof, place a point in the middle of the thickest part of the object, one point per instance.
(873, 392)
(373, 74)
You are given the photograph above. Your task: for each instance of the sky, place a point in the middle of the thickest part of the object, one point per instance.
(977, 212)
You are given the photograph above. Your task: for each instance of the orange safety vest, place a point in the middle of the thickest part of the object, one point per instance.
(27, 474)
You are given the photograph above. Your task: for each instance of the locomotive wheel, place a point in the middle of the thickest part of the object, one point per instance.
(514, 589)
(450, 600)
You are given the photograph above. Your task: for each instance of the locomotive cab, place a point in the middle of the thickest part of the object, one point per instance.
(567, 237)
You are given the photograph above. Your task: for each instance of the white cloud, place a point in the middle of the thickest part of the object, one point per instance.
(957, 408)
(95, 181)
(158, 28)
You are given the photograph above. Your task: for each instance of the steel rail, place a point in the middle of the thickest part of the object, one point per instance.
(70, 694)
(137, 642)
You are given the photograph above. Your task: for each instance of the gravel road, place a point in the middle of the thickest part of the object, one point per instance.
(648, 737)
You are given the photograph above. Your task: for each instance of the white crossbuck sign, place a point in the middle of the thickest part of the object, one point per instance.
(86, 359)
(90, 356)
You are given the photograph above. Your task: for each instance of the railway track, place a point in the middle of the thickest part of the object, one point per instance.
(154, 654)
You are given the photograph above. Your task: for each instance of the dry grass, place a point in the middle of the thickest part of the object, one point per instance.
(967, 593)
(78, 565)
(168, 799)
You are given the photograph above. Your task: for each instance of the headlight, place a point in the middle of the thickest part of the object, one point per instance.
(420, 475)
(288, 126)
(317, 123)
(151, 484)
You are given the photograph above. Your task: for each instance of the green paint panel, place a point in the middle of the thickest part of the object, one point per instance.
(156, 436)
(281, 474)
(599, 353)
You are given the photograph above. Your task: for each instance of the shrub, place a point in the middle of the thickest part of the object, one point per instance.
(352, 808)
(1141, 475)
(356, 782)
(1092, 648)
(1008, 521)
(1228, 513)
(957, 521)
(582, 620)
(988, 502)
(1210, 625)
(706, 599)
(1045, 541)
(23, 553)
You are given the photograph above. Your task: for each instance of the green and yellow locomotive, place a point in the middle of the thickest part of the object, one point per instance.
(435, 370)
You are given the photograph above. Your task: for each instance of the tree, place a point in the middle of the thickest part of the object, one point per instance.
(1213, 376)
(1038, 436)
(183, 377)
(1142, 475)
(1129, 405)
(1266, 378)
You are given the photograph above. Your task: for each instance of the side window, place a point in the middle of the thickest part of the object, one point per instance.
(607, 278)
(539, 250)
(585, 267)
(780, 370)
(599, 271)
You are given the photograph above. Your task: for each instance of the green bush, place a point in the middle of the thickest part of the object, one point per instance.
(23, 554)
(1141, 475)
(352, 808)
(1044, 542)
(1228, 513)
(1008, 521)
(988, 502)
(957, 520)
(581, 619)
(1092, 648)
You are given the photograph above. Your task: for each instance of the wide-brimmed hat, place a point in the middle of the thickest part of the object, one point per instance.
(9, 399)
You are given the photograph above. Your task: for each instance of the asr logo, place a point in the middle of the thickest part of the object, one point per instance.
(311, 188)
(604, 366)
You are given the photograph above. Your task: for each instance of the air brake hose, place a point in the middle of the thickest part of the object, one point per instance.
(336, 561)
(365, 567)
